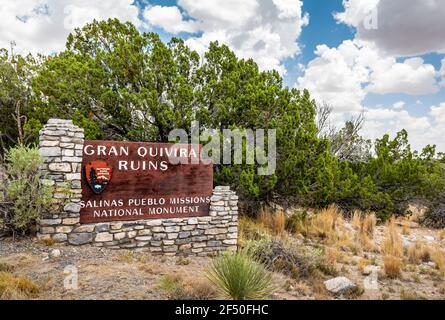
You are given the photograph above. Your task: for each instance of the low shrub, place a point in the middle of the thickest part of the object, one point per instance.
(279, 256)
(238, 276)
(24, 195)
(435, 215)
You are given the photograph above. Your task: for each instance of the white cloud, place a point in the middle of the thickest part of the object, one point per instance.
(336, 78)
(442, 73)
(422, 130)
(43, 25)
(170, 19)
(398, 105)
(404, 27)
(343, 76)
(438, 114)
(410, 77)
(265, 30)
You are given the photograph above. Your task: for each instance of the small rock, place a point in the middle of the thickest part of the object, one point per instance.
(431, 264)
(340, 285)
(428, 238)
(55, 253)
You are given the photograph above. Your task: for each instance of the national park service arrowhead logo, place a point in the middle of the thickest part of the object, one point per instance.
(98, 174)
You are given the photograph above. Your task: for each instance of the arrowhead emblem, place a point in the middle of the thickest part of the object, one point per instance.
(98, 174)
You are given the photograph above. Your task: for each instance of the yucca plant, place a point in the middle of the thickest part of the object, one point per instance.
(239, 276)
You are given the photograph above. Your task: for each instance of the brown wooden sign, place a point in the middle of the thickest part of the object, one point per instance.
(139, 180)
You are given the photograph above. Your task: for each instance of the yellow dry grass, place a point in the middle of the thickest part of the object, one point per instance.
(392, 266)
(274, 221)
(418, 252)
(251, 229)
(392, 245)
(438, 258)
(328, 225)
(392, 250)
(12, 287)
(406, 227)
(362, 264)
(180, 287)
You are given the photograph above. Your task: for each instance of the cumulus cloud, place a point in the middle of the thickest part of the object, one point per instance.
(41, 26)
(170, 19)
(438, 113)
(343, 76)
(422, 130)
(265, 30)
(404, 27)
(398, 105)
(410, 77)
(336, 78)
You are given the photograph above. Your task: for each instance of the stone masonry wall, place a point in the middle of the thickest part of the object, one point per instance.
(61, 145)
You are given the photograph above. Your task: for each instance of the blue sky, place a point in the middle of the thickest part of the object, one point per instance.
(381, 57)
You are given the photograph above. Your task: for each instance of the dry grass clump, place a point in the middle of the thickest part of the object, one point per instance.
(438, 258)
(333, 255)
(328, 225)
(251, 229)
(368, 225)
(274, 221)
(176, 287)
(49, 242)
(392, 266)
(418, 252)
(129, 256)
(406, 227)
(365, 226)
(356, 219)
(5, 267)
(392, 249)
(16, 288)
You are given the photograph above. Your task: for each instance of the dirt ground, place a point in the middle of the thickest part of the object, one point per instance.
(120, 274)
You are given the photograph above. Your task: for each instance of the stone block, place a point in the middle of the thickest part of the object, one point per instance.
(59, 167)
(80, 238)
(103, 237)
(50, 151)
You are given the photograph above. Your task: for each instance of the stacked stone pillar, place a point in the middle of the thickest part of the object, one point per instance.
(61, 146)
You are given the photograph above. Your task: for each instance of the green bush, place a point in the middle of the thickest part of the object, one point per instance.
(239, 277)
(24, 195)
